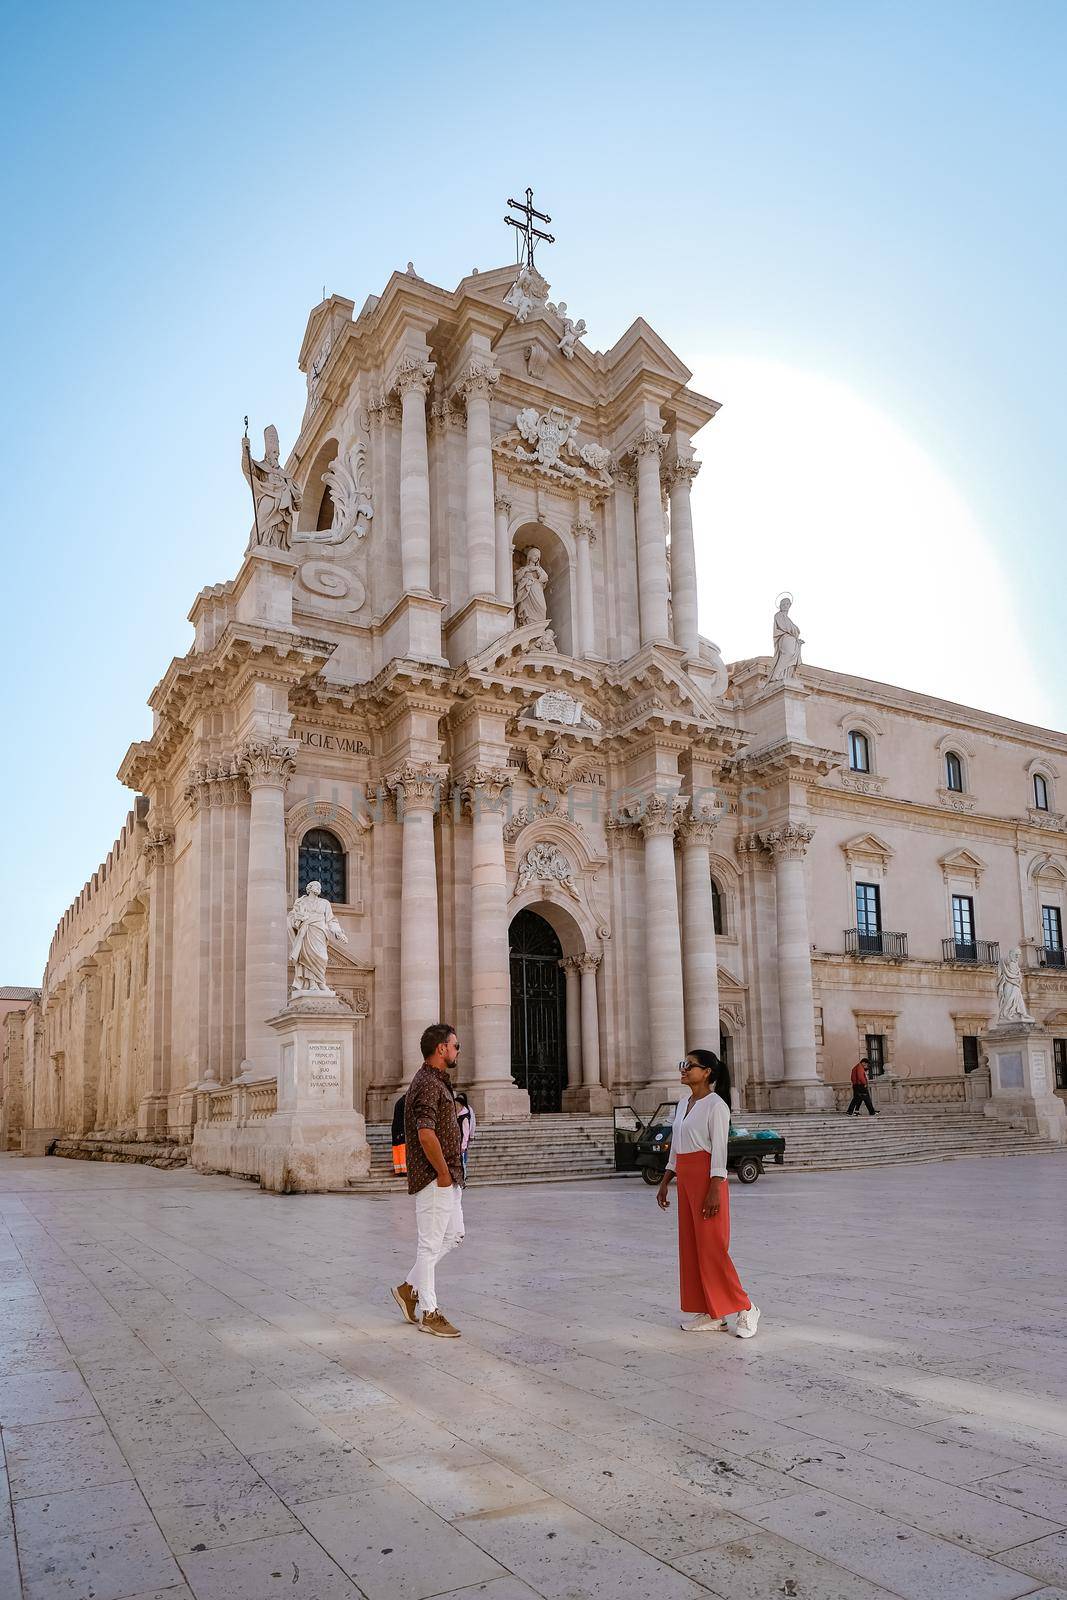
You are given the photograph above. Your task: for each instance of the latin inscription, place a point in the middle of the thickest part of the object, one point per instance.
(324, 1065)
(315, 739)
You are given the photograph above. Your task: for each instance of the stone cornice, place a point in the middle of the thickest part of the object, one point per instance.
(789, 758)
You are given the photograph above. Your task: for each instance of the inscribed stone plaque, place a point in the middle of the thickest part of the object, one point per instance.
(1010, 1069)
(324, 1065)
(1039, 1073)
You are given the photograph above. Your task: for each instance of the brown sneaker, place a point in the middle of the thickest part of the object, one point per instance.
(407, 1299)
(435, 1322)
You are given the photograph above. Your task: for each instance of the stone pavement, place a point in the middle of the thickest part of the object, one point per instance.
(206, 1390)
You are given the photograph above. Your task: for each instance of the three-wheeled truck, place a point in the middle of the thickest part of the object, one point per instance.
(643, 1146)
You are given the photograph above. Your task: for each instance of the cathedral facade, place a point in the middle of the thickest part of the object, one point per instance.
(459, 681)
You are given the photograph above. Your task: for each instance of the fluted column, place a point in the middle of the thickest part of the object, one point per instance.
(483, 792)
(587, 966)
(267, 764)
(413, 378)
(572, 976)
(699, 955)
(663, 946)
(651, 543)
(505, 572)
(477, 386)
(417, 792)
(788, 846)
(684, 556)
(584, 538)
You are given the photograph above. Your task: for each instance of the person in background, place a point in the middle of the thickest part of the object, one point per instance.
(710, 1287)
(467, 1124)
(861, 1094)
(400, 1162)
(435, 1177)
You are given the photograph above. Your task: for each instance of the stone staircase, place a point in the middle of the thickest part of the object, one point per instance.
(555, 1149)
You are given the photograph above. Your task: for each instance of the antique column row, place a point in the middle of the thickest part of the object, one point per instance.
(583, 1021)
(653, 588)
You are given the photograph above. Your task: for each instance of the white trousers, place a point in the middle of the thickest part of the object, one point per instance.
(439, 1227)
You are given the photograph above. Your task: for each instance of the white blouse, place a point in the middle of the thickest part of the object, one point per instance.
(707, 1127)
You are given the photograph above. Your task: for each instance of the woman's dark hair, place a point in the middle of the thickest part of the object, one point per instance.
(718, 1072)
(462, 1098)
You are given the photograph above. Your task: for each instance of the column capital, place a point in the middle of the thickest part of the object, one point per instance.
(414, 374)
(650, 442)
(581, 529)
(697, 829)
(478, 380)
(587, 962)
(571, 965)
(660, 816)
(625, 477)
(267, 763)
(484, 787)
(417, 788)
(503, 504)
(684, 470)
(748, 844)
(158, 849)
(789, 843)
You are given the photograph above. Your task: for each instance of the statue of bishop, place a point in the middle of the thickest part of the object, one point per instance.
(275, 494)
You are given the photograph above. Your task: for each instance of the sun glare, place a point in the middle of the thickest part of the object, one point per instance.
(810, 488)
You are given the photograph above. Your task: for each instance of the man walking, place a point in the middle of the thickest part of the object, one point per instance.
(861, 1094)
(435, 1177)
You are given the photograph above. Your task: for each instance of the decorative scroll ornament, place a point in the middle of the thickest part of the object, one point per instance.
(553, 437)
(546, 863)
(334, 588)
(353, 505)
(556, 705)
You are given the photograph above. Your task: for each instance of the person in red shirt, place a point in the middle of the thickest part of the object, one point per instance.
(861, 1094)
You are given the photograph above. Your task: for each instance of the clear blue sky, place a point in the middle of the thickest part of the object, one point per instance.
(870, 193)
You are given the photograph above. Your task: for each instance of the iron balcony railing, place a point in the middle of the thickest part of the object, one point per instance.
(858, 942)
(978, 952)
(1050, 956)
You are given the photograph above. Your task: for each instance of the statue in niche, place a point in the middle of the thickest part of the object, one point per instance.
(531, 607)
(312, 925)
(1011, 1007)
(275, 495)
(787, 643)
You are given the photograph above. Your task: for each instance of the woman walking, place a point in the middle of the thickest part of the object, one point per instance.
(710, 1287)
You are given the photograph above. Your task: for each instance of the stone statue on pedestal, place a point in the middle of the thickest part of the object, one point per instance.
(1011, 1007)
(531, 607)
(276, 496)
(787, 643)
(312, 924)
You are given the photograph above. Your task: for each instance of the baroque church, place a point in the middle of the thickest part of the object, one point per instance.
(459, 681)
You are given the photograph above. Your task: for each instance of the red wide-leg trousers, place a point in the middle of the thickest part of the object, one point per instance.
(707, 1277)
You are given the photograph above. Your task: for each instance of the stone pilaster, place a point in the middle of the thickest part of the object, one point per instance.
(477, 387)
(505, 574)
(267, 765)
(651, 544)
(584, 538)
(418, 797)
(683, 556)
(572, 979)
(663, 953)
(699, 955)
(413, 378)
(801, 1088)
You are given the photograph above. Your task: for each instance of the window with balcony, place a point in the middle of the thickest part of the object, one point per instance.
(1052, 932)
(1040, 792)
(322, 860)
(869, 918)
(954, 772)
(859, 751)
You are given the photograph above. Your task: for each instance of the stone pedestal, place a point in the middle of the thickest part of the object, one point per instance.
(1021, 1080)
(38, 1141)
(315, 1141)
(263, 589)
(588, 1099)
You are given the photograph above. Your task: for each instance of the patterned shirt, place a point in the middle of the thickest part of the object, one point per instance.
(431, 1104)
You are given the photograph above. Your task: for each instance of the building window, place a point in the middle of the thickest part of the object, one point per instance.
(963, 925)
(322, 860)
(972, 1060)
(1059, 1057)
(717, 917)
(954, 772)
(875, 1053)
(1040, 792)
(1052, 931)
(869, 916)
(859, 752)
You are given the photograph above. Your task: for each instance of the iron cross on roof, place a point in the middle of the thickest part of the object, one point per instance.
(526, 227)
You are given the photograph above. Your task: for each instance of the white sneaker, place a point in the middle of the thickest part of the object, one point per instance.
(702, 1323)
(747, 1323)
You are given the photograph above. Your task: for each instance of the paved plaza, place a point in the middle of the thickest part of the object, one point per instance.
(207, 1391)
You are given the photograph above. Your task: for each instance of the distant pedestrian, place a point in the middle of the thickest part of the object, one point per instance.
(400, 1164)
(435, 1177)
(861, 1094)
(710, 1287)
(467, 1124)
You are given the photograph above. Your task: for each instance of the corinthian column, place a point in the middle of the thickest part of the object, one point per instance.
(663, 953)
(505, 575)
(417, 794)
(651, 542)
(802, 1088)
(588, 965)
(583, 539)
(699, 956)
(571, 974)
(683, 556)
(413, 378)
(267, 764)
(477, 387)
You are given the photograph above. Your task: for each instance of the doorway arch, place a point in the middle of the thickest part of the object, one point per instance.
(538, 1011)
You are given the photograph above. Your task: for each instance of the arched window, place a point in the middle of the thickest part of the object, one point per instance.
(716, 908)
(953, 772)
(1040, 792)
(322, 860)
(859, 751)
